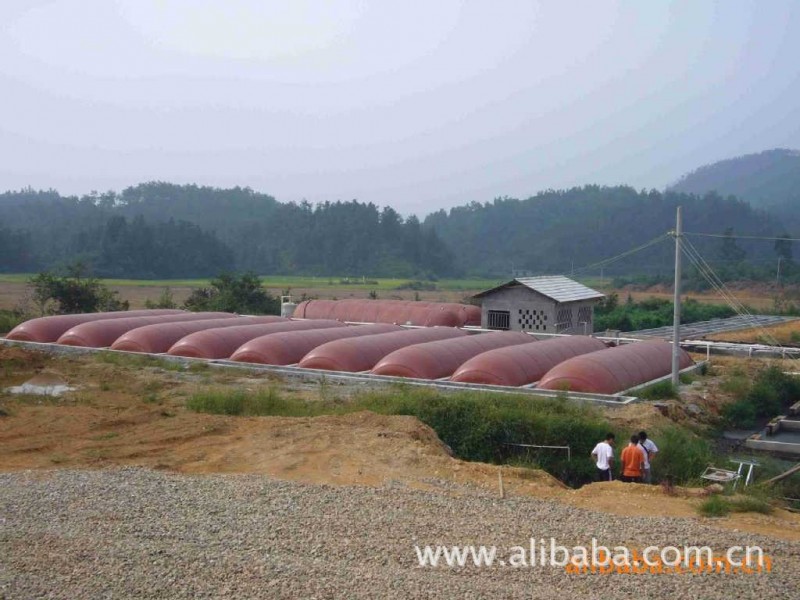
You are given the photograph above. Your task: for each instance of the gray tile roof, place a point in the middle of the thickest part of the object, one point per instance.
(557, 287)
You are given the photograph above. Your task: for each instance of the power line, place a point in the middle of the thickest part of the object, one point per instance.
(613, 259)
(743, 237)
(713, 279)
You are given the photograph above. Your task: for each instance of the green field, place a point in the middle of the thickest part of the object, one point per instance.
(287, 281)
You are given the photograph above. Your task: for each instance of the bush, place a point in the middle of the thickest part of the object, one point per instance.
(74, 292)
(9, 319)
(231, 292)
(165, 300)
(741, 414)
(770, 393)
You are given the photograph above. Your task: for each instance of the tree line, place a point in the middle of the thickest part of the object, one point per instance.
(162, 230)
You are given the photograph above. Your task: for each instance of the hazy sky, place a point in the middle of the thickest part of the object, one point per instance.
(420, 105)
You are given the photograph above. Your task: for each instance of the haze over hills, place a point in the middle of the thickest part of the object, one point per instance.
(162, 230)
(767, 179)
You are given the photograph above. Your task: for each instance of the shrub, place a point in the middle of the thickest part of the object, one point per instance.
(231, 292)
(741, 414)
(9, 319)
(74, 292)
(165, 300)
(770, 393)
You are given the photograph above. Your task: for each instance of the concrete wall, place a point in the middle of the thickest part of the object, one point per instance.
(769, 446)
(528, 311)
(531, 311)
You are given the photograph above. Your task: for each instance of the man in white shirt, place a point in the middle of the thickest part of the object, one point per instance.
(650, 451)
(603, 456)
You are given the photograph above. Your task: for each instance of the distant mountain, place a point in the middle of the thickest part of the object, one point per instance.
(769, 179)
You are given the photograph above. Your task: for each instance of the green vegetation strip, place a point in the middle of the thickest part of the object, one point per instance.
(479, 426)
(284, 282)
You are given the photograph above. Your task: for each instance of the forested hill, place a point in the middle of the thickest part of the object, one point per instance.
(556, 231)
(768, 179)
(160, 230)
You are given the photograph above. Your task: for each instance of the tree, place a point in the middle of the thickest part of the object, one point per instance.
(783, 247)
(165, 300)
(73, 292)
(232, 292)
(730, 251)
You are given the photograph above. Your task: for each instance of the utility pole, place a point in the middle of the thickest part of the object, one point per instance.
(676, 316)
(778, 276)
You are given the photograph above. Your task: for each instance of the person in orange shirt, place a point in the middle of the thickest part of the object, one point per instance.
(632, 460)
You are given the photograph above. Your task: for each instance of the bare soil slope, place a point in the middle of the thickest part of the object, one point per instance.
(136, 416)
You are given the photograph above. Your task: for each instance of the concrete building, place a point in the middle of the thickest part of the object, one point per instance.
(550, 304)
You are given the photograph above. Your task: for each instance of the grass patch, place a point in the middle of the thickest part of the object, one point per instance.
(658, 391)
(105, 436)
(720, 506)
(750, 503)
(137, 361)
(265, 402)
(714, 506)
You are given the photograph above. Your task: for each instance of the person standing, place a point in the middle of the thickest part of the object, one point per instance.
(603, 455)
(650, 450)
(632, 458)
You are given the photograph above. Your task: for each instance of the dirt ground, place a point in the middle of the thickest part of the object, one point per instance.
(121, 415)
(786, 334)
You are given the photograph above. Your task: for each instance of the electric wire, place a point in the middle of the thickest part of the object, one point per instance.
(613, 259)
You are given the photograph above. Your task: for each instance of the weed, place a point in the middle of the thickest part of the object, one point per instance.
(151, 398)
(105, 436)
(58, 459)
(198, 367)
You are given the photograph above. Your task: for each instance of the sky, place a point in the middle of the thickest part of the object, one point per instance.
(417, 105)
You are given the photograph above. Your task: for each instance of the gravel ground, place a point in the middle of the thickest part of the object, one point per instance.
(136, 533)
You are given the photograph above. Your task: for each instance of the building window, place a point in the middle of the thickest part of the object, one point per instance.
(531, 319)
(498, 319)
(564, 318)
